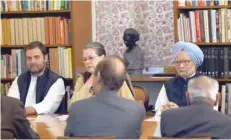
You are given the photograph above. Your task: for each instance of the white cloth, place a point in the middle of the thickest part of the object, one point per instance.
(51, 101)
(157, 132)
(162, 99)
(31, 96)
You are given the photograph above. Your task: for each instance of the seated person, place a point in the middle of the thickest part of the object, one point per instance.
(14, 124)
(198, 119)
(40, 89)
(93, 53)
(188, 57)
(106, 114)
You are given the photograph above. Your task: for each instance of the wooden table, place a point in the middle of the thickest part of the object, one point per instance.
(48, 127)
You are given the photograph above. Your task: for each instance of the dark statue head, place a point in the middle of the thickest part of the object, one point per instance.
(130, 37)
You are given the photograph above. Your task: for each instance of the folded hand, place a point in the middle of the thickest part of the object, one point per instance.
(169, 105)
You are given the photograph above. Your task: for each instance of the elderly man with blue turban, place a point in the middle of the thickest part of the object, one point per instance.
(187, 58)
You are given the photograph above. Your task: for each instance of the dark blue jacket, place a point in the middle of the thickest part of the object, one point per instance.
(44, 82)
(176, 90)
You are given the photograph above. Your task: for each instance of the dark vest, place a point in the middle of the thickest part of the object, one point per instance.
(176, 90)
(44, 82)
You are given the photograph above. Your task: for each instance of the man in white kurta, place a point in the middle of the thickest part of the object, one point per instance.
(40, 89)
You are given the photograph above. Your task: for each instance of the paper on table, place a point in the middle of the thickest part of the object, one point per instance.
(62, 117)
(157, 132)
(155, 118)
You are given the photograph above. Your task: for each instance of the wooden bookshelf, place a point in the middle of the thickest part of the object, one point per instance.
(215, 44)
(34, 12)
(224, 79)
(185, 10)
(22, 46)
(80, 16)
(6, 80)
(203, 7)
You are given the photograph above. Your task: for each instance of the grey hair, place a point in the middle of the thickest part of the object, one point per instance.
(204, 87)
(97, 47)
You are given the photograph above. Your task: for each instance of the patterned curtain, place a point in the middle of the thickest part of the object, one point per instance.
(152, 19)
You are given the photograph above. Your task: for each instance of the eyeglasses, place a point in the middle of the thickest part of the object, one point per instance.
(89, 58)
(184, 62)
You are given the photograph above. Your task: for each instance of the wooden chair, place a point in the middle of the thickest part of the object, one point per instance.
(141, 95)
(88, 137)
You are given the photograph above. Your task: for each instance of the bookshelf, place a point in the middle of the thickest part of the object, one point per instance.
(202, 7)
(48, 46)
(79, 14)
(214, 44)
(207, 24)
(34, 12)
(48, 22)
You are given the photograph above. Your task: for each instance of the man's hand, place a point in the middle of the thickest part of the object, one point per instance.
(169, 105)
(30, 111)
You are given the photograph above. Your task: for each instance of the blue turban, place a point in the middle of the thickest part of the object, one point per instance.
(192, 50)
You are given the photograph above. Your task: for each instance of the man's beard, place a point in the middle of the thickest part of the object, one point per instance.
(184, 74)
(38, 70)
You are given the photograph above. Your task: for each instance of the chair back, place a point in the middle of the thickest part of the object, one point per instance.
(141, 95)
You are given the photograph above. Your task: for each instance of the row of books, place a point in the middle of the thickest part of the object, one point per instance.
(203, 2)
(205, 26)
(60, 62)
(34, 5)
(226, 98)
(5, 88)
(48, 30)
(14, 64)
(217, 62)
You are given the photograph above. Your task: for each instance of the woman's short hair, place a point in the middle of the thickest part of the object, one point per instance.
(97, 47)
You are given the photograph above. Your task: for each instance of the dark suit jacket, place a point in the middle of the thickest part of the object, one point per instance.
(106, 114)
(198, 119)
(14, 123)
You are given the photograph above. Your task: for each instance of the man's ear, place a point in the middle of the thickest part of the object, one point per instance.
(218, 97)
(187, 98)
(98, 77)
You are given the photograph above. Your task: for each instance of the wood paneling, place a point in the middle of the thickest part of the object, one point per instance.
(81, 31)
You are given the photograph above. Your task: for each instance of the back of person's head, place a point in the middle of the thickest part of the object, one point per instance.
(112, 72)
(97, 47)
(36, 44)
(203, 87)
